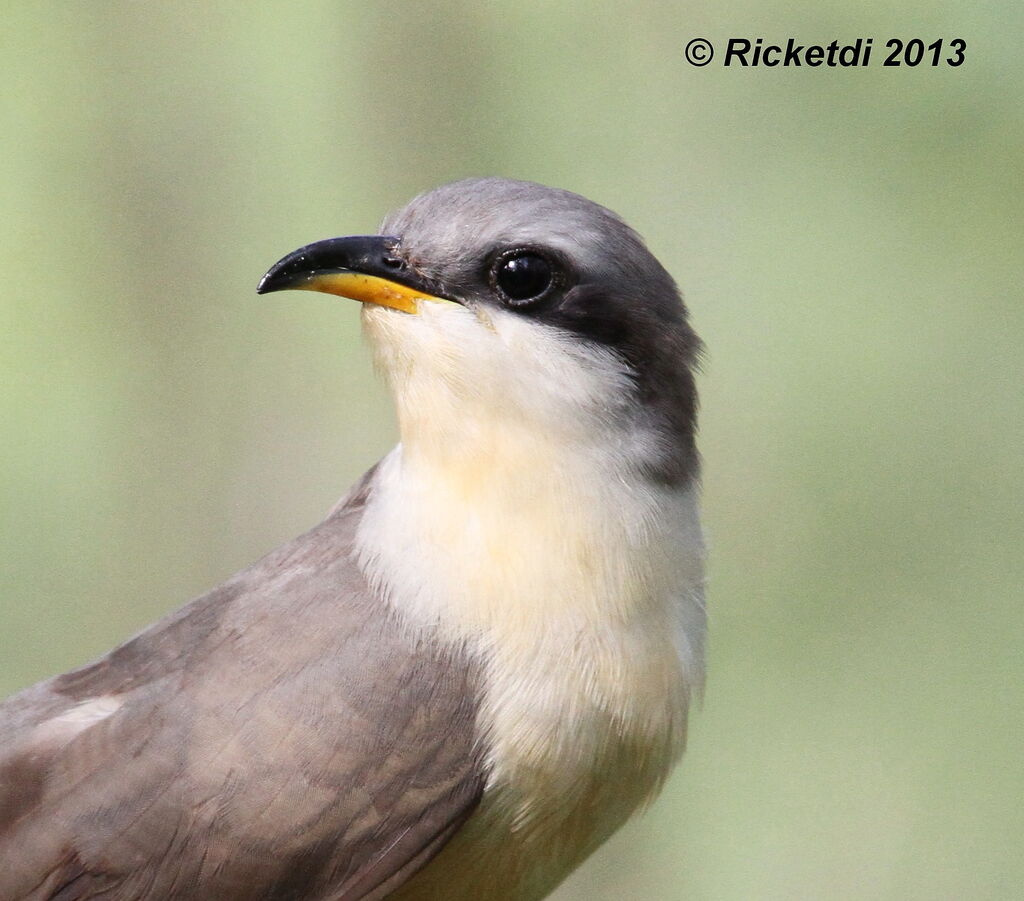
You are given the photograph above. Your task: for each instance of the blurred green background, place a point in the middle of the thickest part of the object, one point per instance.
(850, 242)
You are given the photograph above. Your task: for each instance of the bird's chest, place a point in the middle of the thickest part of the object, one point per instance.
(567, 768)
(579, 610)
(576, 742)
(581, 721)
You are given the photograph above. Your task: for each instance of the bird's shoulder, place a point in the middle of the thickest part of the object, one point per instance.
(283, 735)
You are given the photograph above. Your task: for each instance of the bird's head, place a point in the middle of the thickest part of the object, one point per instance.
(506, 307)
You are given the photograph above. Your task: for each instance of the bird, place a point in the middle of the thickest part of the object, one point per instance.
(478, 666)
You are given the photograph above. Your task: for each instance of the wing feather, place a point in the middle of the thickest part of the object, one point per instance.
(282, 737)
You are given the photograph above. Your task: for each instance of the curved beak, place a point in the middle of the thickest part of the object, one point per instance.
(362, 267)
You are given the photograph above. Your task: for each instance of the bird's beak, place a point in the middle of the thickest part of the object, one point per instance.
(363, 267)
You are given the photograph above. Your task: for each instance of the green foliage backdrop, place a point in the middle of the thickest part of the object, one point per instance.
(850, 243)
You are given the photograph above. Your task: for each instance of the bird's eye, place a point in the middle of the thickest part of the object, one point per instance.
(522, 277)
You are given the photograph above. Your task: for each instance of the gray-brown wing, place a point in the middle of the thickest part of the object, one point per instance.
(282, 737)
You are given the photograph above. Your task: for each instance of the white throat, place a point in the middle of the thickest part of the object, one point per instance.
(517, 502)
(521, 528)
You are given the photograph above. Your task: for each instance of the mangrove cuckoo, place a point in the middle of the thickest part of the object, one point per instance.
(473, 671)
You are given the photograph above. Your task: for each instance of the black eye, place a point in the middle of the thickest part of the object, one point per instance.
(522, 277)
